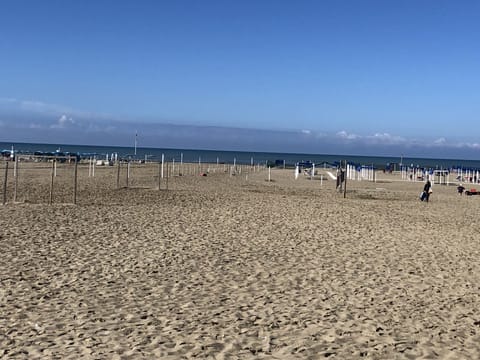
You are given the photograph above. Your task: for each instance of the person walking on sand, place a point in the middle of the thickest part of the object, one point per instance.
(427, 189)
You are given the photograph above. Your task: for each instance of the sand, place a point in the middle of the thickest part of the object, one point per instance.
(236, 267)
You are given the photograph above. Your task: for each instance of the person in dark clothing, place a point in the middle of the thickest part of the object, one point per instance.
(460, 189)
(427, 189)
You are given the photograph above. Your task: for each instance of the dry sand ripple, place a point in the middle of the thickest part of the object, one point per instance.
(224, 268)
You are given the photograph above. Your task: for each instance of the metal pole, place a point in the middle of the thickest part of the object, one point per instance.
(136, 135)
(5, 184)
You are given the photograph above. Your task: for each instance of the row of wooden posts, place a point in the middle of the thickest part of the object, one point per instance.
(75, 179)
(163, 173)
(341, 174)
(15, 186)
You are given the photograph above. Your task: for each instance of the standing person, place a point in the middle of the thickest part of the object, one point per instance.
(460, 189)
(427, 189)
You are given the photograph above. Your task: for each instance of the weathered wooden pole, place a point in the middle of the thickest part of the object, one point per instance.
(163, 161)
(167, 174)
(118, 175)
(345, 180)
(16, 180)
(75, 182)
(181, 164)
(5, 184)
(51, 182)
(128, 171)
(159, 174)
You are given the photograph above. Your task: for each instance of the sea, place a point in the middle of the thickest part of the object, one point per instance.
(239, 157)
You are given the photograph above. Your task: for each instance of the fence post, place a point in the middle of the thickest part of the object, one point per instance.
(16, 180)
(181, 164)
(167, 174)
(75, 183)
(128, 171)
(159, 174)
(5, 184)
(163, 160)
(51, 183)
(118, 175)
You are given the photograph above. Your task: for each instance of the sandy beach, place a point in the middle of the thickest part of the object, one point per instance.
(237, 267)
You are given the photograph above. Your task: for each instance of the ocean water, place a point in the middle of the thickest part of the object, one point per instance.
(240, 157)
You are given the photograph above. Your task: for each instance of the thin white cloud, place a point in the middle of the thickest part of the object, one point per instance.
(306, 132)
(440, 141)
(385, 138)
(63, 122)
(43, 108)
(471, 145)
(344, 135)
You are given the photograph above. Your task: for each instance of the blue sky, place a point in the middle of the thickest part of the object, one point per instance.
(366, 77)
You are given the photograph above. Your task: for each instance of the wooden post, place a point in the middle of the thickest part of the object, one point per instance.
(163, 162)
(128, 170)
(5, 184)
(75, 182)
(51, 183)
(16, 180)
(167, 175)
(159, 174)
(345, 180)
(118, 175)
(181, 164)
